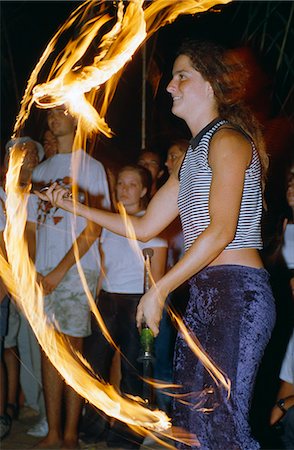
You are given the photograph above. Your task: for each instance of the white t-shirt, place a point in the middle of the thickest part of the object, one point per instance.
(123, 266)
(55, 227)
(287, 369)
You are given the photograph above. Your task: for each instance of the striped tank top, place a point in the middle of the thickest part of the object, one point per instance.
(195, 180)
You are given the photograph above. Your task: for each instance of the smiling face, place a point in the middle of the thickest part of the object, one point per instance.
(193, 97)
(130, 190)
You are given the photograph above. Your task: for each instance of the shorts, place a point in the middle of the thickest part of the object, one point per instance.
(67, 307)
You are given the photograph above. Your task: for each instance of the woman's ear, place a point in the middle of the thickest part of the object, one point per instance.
(210, 90)
(143, 193)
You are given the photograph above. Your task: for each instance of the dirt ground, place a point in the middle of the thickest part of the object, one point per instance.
(19, 439)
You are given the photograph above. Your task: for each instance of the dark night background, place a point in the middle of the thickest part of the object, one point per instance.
(266, 28)
(263, 27)
(27, 26)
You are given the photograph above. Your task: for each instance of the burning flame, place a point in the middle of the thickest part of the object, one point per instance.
(192, 341)
(70, 364)
(68, 81)
(121, 28)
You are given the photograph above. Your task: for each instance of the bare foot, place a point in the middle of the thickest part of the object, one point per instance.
(70, 443)
(49, 442)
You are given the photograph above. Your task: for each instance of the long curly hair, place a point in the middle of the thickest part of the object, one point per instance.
(227, 76)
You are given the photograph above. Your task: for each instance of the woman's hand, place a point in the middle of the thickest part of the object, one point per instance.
(150, 309)
(57, 196)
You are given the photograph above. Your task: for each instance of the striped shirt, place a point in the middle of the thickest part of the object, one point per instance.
(193, 200)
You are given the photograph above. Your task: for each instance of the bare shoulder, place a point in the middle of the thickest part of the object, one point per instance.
(229, 143)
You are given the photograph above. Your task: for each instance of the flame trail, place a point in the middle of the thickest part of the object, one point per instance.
(192, 341)
(68, 81)
(75, 370)
(120, 28)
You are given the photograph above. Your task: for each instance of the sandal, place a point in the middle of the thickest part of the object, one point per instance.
(5, 425)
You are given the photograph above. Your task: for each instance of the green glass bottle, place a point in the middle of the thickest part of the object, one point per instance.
(147, 339)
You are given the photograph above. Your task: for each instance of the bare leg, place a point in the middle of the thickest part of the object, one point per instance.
(73, 406)
(11, 360)
(53, 393)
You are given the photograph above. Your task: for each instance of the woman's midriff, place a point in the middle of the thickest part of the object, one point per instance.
(244, 256)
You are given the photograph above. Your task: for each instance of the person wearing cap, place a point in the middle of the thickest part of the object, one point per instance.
(21, 349)
(5, 419)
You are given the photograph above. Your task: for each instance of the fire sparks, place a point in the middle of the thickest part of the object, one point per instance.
(120, 28)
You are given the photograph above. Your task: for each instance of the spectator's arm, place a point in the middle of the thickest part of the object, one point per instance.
(158, 262)
(102, 270)
(286, 393)
(30, 237)
(84, 241)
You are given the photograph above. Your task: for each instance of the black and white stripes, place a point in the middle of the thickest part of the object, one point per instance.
(193, 201)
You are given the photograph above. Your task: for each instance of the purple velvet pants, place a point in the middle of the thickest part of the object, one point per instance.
(231, 311)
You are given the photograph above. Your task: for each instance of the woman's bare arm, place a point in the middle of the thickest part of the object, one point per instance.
(230, 155)
(161, 211)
